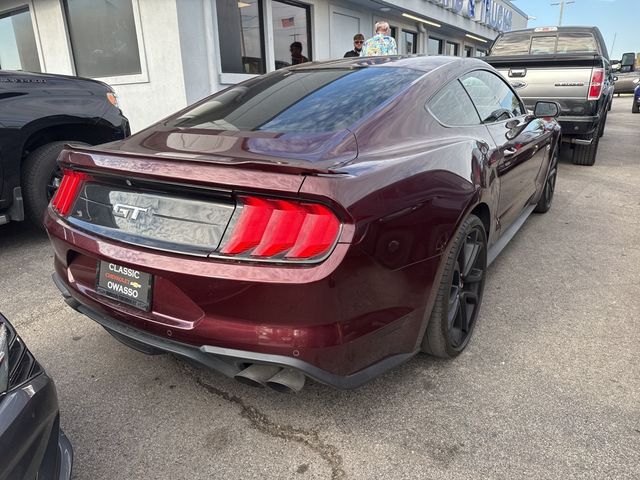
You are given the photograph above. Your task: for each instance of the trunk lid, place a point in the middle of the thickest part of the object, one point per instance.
(177, 191)
(293, 152)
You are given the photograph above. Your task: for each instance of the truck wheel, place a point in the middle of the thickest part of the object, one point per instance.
(586, 154)
(40, 179)
(459, 296)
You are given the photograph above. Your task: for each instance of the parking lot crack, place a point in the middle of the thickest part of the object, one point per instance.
(261, 422)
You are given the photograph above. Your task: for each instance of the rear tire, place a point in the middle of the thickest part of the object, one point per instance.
(40, 179)
(636, 107)
(586, 154)
(459, 295)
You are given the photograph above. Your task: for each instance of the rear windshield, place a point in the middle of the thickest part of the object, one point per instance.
(528, 44)
(299, 101)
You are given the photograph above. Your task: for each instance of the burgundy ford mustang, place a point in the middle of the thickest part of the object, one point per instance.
(328, 220)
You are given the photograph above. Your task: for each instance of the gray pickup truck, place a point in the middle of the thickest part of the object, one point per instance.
(569, 65)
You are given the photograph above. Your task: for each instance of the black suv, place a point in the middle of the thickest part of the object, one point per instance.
(39, 114)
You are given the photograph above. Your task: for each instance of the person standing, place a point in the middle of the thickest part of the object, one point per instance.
(358, 40)
(296, 54)
(381, 43)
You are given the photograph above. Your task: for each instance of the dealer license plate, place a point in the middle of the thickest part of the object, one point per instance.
(124, 284)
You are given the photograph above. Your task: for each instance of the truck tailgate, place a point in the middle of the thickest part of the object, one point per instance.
(549, 77)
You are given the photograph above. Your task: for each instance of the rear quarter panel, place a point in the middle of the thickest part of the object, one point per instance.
(407, 197)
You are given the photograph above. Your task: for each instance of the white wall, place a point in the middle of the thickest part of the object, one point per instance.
(145, 98)
(164, 93)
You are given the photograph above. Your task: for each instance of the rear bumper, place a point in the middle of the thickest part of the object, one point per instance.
(227, 361)
(341, 322)
(578, 125)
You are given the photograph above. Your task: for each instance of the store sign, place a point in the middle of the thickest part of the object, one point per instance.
(492, 13)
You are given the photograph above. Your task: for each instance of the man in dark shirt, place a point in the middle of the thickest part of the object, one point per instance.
(358, 40)
(296, 54)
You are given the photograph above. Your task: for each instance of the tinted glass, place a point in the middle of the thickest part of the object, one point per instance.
(576, 42)
(103, 37)
(452, 106)
(434, 46)
(299, 101)
(240, 33)
(410, 42)
(493, 98)
(290, 24)
(543, 45)
(512, 44)
(18, 49)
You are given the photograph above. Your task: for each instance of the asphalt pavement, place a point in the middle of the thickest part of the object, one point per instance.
(549, 386)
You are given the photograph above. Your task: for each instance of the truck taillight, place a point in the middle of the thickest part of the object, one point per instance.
(595, 87)
(68, 191)
(280, 229)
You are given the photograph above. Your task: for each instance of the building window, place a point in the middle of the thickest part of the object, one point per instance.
(291, 23)
(409, 41)
(480, 53)
(241, 34)
(18, 49)
(468, 51)
(103, 38)
(452, 49)
(435, 46)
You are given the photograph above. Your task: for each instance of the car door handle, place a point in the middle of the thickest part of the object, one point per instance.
(510, 151)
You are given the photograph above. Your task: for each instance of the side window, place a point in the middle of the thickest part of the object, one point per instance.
(492, 97)
(452, 106)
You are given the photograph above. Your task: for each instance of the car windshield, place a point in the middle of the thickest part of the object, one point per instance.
(299, 101)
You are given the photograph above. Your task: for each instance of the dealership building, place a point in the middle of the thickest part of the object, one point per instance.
(161, 55)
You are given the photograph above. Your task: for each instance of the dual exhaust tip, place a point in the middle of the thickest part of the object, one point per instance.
(283, 380)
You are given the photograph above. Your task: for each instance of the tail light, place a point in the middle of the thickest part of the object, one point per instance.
(68, 191)
(280, 229)
(595, 87)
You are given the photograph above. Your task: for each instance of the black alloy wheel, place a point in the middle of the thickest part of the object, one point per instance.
(459, 297)
(544, 204)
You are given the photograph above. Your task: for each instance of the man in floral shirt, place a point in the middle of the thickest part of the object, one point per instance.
(381, 43)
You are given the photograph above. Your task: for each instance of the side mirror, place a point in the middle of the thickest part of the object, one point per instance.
(628, 62)
(546, 109)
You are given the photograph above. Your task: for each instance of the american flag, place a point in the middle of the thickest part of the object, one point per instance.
(288, 22)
